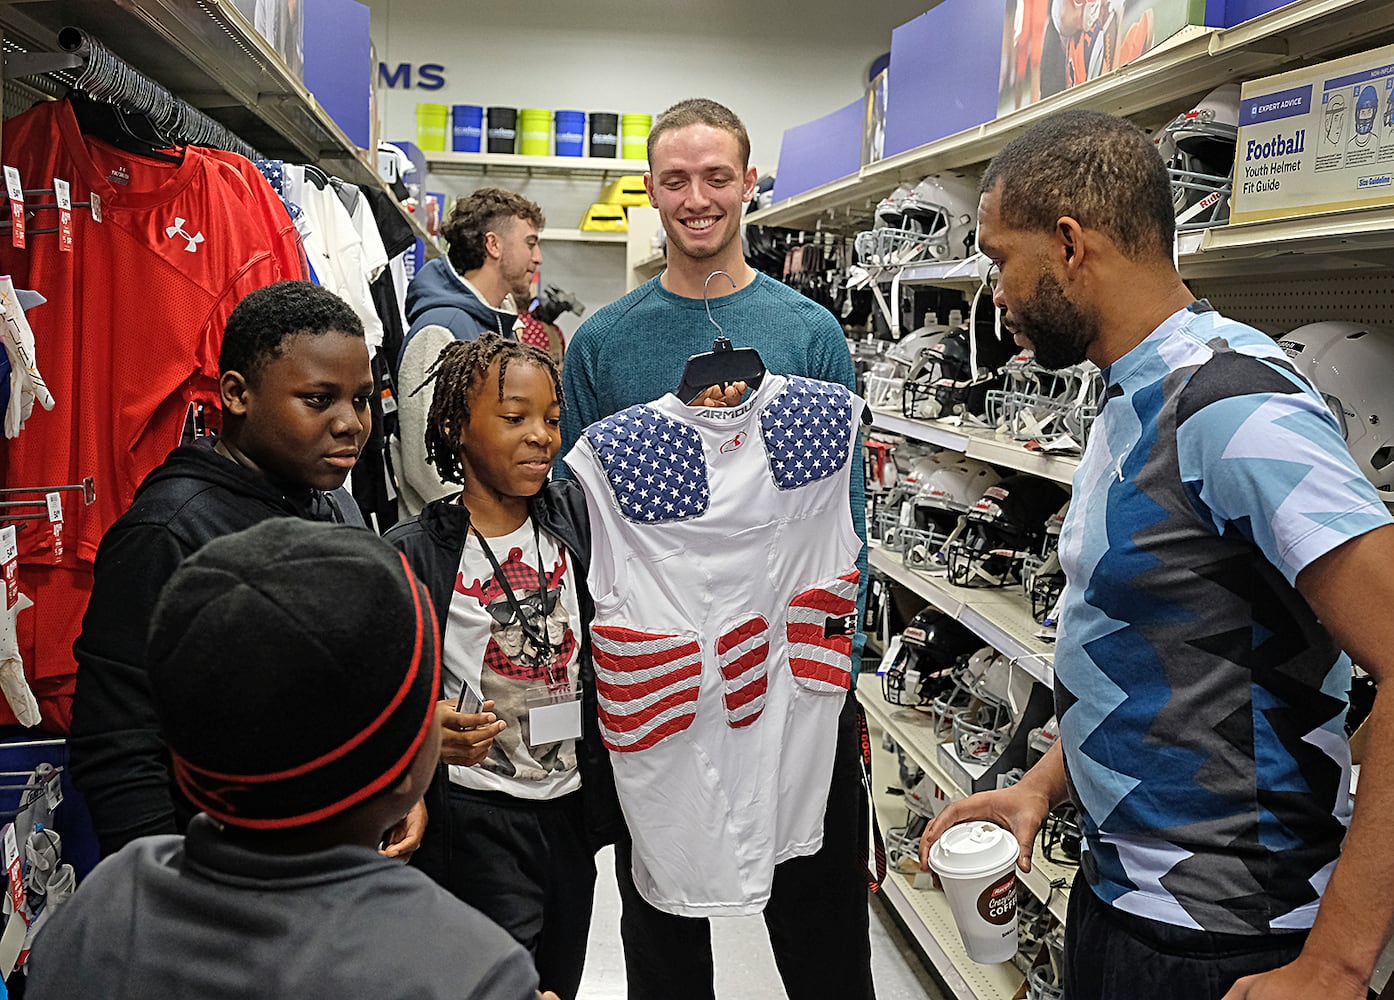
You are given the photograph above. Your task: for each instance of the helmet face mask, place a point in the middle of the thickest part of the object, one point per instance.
(1055, 408)
(1061, 840)
(1198, 148)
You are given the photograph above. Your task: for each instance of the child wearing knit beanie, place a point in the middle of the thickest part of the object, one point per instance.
(294, 668)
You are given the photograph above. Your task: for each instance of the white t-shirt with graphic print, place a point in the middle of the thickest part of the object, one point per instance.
(501, 663)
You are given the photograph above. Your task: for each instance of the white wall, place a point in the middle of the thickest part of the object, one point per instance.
(776, 63)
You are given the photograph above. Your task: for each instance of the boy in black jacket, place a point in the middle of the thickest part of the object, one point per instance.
(295, 380)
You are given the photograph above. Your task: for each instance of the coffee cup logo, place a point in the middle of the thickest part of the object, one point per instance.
(997, 903)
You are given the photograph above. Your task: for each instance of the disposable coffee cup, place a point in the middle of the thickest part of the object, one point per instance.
(976, 863)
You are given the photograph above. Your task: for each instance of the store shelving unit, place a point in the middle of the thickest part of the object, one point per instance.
(926, 912)
(1001, 618)
(1153, 87)
(515, 165)
(983, 444)
(206, 52)
(583, 236)
(914, 733)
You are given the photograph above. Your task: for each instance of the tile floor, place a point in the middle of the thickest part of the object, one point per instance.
(744, 966)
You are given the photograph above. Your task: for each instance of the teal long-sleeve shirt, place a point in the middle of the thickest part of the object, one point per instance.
(633, 351)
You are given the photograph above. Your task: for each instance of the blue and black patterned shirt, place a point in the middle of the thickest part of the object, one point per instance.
(1201, 703)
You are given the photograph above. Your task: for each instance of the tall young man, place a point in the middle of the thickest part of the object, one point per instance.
(633, 351)
(482, 283)
(295, 383)
(1221, 551)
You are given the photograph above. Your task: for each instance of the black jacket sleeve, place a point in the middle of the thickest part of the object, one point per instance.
(117, 755)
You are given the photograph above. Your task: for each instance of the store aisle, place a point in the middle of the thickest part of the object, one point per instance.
(744, 967)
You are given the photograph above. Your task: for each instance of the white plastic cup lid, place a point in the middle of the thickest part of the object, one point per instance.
(968, 850)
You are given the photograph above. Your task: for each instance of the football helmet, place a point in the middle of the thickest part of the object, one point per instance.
(1018, 379)
(956, 695)
(1042, 577)
(943, 208)
(932, 645)
(891, 242)
(1198, 148)
(1366, 110)
(903, 844)
(956, 375)
(983, 730)
(885, 380)
(1004, 526)
(933, 512)
(1033, 922)
(1060, 835)
(1054, 408)
(1351, 365)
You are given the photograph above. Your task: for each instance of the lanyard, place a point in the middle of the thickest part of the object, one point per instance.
(530, 629)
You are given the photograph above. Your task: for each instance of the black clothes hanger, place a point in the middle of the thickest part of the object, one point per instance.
(128, 131)
(723, 364)
(316, 176)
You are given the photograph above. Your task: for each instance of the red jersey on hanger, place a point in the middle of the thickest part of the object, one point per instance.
(128, 339)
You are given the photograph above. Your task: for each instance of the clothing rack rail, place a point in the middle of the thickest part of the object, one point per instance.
(106, 77)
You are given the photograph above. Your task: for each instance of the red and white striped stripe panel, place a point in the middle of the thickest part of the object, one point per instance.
(823, 662)
(742, 652)
(647, 685)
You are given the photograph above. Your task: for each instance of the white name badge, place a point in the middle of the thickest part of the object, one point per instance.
(553, 716)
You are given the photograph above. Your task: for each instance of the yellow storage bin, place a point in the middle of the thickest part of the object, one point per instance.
(605, 218)
(625, 191)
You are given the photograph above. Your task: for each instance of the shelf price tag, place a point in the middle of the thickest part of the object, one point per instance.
(64, 195)
(96, 200)
(55, 519)
(15, 190)
(9, 564)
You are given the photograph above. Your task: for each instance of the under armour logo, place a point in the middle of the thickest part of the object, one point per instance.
(839, 625)
(733, 444)
(178, 230)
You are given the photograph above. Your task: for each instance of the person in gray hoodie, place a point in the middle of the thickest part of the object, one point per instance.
(479, 285)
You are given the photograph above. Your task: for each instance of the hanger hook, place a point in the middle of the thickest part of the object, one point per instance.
(707, 302)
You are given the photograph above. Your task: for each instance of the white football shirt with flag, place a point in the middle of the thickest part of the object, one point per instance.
(725, 582)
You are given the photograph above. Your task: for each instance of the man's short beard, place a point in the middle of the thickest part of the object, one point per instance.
(1057, 329)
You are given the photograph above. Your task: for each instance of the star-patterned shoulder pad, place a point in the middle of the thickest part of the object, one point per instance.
(655, 465)
(806, 429)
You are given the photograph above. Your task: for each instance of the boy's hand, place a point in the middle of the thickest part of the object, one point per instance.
(402, 840)
(465, 737)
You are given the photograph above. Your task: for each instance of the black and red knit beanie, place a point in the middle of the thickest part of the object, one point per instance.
(294, 668)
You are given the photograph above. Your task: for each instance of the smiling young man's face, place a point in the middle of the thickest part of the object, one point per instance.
(699, 183)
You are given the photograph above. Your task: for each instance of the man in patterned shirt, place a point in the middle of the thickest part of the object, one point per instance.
(1221, 552)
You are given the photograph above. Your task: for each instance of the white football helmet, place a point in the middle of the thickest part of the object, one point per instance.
(983, 730)
(943, 209)
(943, 495)
(1352, 366)
(1198, 148)
(885, 382)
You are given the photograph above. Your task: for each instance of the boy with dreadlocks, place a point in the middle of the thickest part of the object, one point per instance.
(529, 795)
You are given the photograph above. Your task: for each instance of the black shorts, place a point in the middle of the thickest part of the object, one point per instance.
(1113, 955)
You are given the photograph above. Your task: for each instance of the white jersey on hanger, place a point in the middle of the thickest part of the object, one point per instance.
(725, 582)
